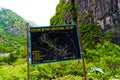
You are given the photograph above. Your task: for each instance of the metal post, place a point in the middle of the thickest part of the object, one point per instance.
(28, 68)
(83, 62)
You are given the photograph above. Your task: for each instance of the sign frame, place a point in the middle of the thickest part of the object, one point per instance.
(53, 28)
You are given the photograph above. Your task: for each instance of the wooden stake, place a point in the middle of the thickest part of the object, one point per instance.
(83, 62)
(27, 57)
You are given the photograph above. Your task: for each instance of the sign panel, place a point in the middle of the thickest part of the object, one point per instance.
(54, 43)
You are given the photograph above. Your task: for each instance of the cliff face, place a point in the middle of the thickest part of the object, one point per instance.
(105, 13)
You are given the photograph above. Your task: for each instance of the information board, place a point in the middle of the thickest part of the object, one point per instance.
(54, 43)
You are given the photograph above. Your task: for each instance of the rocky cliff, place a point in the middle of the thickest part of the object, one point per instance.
(105, 13)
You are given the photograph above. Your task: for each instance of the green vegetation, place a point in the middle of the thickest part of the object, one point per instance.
(90, 34)
(105, 56)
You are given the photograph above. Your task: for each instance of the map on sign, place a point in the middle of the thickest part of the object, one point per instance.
(54, 43)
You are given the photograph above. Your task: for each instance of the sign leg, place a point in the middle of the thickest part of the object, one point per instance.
(83, 62)
(27, 57)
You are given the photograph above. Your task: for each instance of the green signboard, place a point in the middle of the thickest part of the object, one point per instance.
(54, 43)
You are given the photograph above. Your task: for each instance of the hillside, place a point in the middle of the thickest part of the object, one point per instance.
(12, 32)
(11, 22)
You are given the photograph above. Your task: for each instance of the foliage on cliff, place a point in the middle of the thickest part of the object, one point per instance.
(63, 12)
(67, 13)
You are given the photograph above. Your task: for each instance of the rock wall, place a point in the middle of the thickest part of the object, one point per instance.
(106, 13)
